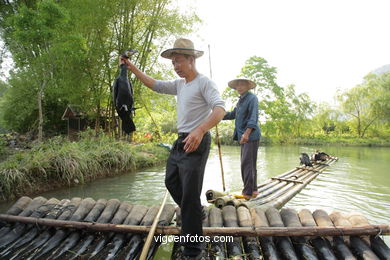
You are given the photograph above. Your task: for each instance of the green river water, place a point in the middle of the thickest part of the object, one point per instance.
(358, 182)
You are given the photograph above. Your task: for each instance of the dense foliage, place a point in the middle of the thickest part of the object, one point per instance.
(287, 116)
(66, 52)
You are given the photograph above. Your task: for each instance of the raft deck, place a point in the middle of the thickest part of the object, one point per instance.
(109, 229)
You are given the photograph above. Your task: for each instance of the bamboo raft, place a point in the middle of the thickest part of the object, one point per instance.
(87, 229)
(109, 229)
(276, 191)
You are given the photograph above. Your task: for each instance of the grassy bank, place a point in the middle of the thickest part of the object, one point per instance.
(60, 163)
(332, 140)
(318, 140)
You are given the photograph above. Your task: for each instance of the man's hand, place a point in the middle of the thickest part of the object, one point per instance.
(122, 60)
(244, 139)
(193, 140)
(245, 136)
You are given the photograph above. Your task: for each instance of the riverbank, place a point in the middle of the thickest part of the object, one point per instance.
(333, 140)
(59, 162)
(318, 141)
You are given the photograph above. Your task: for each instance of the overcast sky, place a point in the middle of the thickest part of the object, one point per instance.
(319, 46)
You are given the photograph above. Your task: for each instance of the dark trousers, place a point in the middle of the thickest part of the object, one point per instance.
(248, 166)
(184, 180)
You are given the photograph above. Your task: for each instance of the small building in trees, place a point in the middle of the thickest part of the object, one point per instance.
(76, 120)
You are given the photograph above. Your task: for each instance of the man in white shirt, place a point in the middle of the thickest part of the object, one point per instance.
(199, 108)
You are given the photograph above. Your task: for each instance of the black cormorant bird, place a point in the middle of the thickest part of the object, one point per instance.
(305, 159)
(123, 96)
(321, 156)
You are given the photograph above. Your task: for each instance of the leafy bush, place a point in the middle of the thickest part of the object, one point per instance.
(61, 162)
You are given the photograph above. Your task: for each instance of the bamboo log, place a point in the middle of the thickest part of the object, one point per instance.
(290, 219)
(377, 244)
(150, 235)
(206, 222)
(222, 201)
(250, 243)
(177, 252)
(271, 231)
(109, 211)
(84, 208)
(282, 243)
(230, 219)
(361, 249)
(163, 220)
(323, 220)
(339, 219)
(267, 245)
(339, 242)
(286, 180)
(19, 206)
(213, 194)
(95, 212)
(215, 217)
(217, 249)
(380, 248)
(112, 249)
(136, 242)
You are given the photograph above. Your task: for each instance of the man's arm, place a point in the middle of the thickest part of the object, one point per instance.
(193, 140)
(252, 120)
(230, 115)
(245, 135)
(145, 79)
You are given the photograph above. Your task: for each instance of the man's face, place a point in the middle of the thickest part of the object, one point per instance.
(182, 64)
(242, 87)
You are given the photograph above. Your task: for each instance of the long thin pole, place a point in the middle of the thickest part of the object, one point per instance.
(217, 133)
(209, 231)
(150, 236)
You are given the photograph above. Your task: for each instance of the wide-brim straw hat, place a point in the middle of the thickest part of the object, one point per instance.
(182, 46)
(234, 83)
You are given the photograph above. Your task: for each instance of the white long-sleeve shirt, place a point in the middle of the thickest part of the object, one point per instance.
(195, 100)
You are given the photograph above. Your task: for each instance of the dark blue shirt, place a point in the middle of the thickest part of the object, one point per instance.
(246, 114)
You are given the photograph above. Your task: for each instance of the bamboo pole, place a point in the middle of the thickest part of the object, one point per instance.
(150, 236)
(217, 133)
(233, 231)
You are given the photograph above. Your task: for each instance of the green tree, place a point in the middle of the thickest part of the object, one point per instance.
(79, 50)
(368, 102)
(300, 110)
(35, 37)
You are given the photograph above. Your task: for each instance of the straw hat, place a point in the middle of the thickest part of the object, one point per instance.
(234, 83)
(182, 46)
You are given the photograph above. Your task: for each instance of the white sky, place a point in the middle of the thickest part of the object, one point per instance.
(320, 46)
